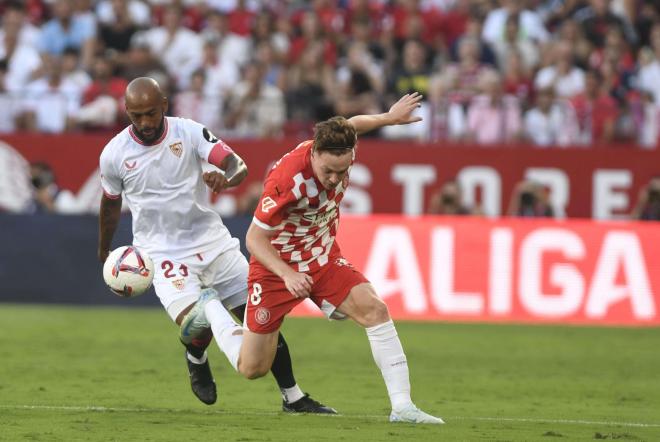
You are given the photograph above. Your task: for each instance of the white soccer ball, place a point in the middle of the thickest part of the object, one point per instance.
(128, 272)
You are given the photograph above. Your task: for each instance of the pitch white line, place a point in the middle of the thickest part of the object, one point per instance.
(356, 416)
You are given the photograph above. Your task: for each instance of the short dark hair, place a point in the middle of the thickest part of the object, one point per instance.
(336, 135)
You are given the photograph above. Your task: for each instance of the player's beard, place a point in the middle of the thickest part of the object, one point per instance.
(157, 133)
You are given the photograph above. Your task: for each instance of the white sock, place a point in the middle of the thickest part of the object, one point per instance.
(290, 395)
(194, 360)
(227, 333)
(388, 354)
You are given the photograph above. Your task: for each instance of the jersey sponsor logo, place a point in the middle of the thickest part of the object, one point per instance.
(343, 262)
(130, 166)
(179, 284)
(208, 136)
(267, 204)
(177, 148)
(262, 315)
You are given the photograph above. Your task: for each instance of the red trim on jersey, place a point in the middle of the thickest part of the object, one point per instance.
(219, 152)
(158, 141)
(110, 196)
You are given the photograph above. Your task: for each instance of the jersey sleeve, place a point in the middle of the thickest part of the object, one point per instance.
(111, 181)
(207, 146)
(272, 208)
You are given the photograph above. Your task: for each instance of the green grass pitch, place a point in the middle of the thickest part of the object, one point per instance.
(69, 374)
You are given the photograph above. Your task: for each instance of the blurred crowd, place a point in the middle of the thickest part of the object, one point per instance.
(542, 72)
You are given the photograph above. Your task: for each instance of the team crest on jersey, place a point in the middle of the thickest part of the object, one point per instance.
(343, 262)
(267, 204)
(177, 148)
(179, 284)
(262, 315)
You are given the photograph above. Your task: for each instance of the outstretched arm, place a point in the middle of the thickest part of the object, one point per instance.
(399, 113)
(109, 214)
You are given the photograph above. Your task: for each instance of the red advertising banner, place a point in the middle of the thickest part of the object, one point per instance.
(510, 270)
(398, 177)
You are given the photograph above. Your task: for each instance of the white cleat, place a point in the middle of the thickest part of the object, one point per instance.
(414, 415)
(195, 320)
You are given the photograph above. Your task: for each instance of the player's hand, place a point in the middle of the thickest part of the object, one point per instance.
(216, 181)
(103, 255)
(299, 284)
(400, 112)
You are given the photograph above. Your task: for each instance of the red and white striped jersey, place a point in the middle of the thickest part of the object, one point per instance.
(304, 214)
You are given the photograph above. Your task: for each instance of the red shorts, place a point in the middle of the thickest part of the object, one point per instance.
(269, 300)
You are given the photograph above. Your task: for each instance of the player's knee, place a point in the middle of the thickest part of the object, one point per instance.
(253, 371)
(377, 314)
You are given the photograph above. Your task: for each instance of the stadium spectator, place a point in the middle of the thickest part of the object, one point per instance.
(648, 77)
(113, 12)
(232, 48)
(360, 82)
(119, 24)
(45, 190)
(68, 30)
(493, 117)
(255, 108)
(512, 41)
(596, 19)
(17, 50)
(473, 32)
(596, 111)
(103, 98)
(50, 103)
(265, 31)
(530, 200)
(648, 202)
(551, 122)
(448, 119)
(563, 75)
(141, 62)
(220, 75)
(14, 20)
(8, 103)
(72, 71)
(462, 77)
(312, 35)
(275, 72)
(448, 200)
(311, 86)
(178, 47)
(647, 15)
(517, 80)
(197, 105)
(530, 24)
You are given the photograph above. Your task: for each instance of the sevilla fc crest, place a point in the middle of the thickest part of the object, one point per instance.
(179, 284)
(177, 148)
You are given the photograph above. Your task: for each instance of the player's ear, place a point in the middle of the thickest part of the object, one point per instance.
(166, 105)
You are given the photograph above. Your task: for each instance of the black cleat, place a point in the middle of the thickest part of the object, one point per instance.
(201, 381)
(307, 405)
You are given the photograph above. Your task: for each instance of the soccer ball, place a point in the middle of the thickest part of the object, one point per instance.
(128, 272)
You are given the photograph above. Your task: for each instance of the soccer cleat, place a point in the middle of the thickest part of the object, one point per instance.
(201, 381)
(195, 321)
(414, 415)
(307, 405)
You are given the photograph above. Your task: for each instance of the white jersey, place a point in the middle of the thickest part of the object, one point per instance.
(163, 186)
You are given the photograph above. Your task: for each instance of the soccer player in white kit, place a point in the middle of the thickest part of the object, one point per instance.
(155, 164)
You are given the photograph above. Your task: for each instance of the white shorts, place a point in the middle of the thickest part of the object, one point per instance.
(178, 283)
